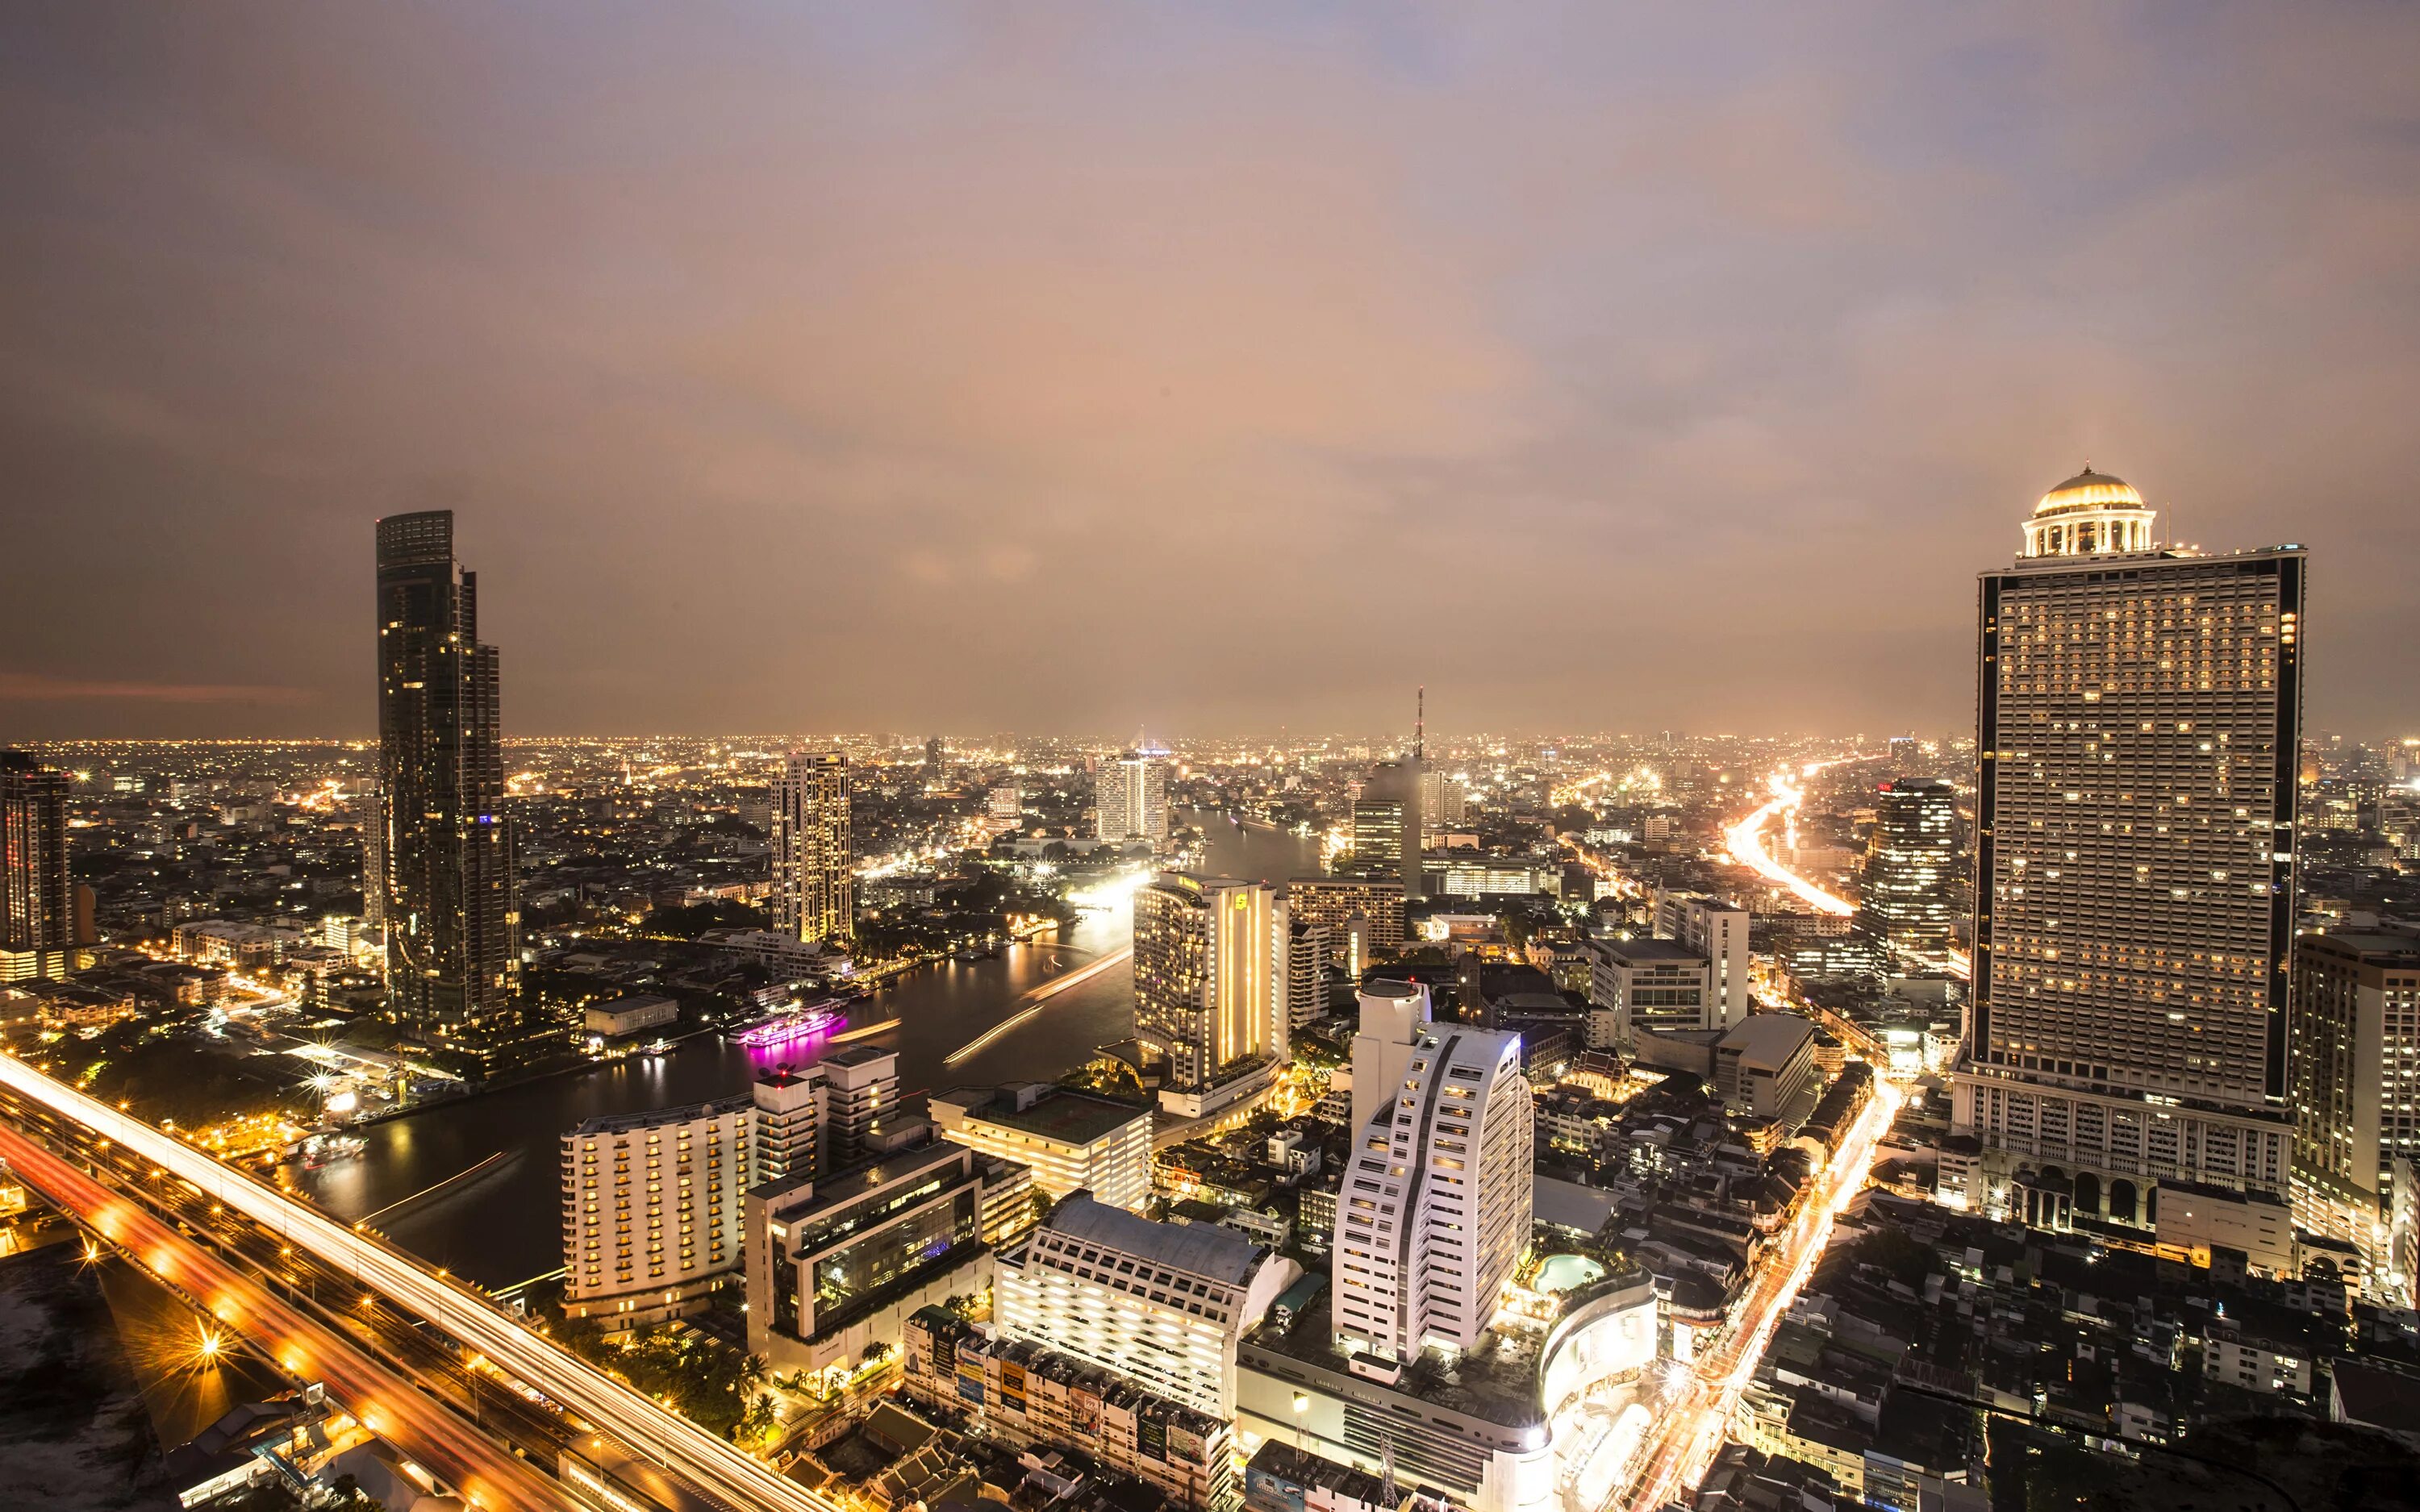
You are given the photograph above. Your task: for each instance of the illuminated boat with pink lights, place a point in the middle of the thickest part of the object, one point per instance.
(797, 1023)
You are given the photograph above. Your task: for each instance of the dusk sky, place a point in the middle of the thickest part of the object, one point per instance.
(1073, 369)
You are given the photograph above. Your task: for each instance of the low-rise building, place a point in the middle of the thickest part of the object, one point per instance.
(1075, 1141)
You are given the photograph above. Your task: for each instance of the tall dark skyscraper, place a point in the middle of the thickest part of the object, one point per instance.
(36, 922)
(453, 920)
(1908, 864)
(2137, 750)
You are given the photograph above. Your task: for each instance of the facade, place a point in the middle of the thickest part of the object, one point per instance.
(1399, 838)
(788, 1124)
(860, 1097)
(1717, 931)
(2356, 1069)
(1643, 985)
(1765, 1067)
(1131, 797)
(836, 1264)
(1074, 1141)
(630, 1015)
(1162, 1305)
(1210, 975)
(651, 1209)
(1307, 955)
(1443, 800)
(1338, 902)
(815, 867)
(1026, 1394)
(1909, 861)
(36, 917)
(2137, 741)
(1435, 1207)
(453, 921)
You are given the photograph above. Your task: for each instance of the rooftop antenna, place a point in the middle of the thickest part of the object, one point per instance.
(1420, 725)
(1388, 1493)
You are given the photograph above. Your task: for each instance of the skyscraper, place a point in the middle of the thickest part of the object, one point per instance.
(452, 923)
(1131, 797)
(1909, 859)
(2356, 1069)
(2137, 745)
(1437, 1199)
(37, 919)
(1392, 796)
(814, 875)
(1210, 959)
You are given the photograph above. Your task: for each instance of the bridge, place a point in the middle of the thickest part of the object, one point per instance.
(466, 1315)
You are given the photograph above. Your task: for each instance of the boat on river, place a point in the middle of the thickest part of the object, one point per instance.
(797, 1023)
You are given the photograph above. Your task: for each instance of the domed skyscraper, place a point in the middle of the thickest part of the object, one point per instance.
(2091, 514)
(2138, 726)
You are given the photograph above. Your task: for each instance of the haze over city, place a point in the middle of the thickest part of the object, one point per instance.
(1242, 758)
(807, 367)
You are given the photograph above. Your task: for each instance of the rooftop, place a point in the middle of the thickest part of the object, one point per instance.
(1635, 952)
(1069, 1118)
(659, 1118)
(1197, 1249)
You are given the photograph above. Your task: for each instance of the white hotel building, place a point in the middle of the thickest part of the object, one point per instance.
(1161, 1305)
(1435, 1207)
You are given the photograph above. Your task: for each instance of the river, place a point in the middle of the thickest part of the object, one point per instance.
(504, 1226)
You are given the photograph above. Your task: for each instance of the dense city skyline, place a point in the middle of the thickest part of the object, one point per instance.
(1002, 342)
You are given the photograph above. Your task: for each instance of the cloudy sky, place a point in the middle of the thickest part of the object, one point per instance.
(1064, 368)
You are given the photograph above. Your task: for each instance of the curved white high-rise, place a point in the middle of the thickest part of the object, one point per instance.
(1435, 1205)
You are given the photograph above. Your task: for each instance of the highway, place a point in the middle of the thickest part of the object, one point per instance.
(1680, 1446)
(384, 1401)
(1746, 841)
(463, 1313)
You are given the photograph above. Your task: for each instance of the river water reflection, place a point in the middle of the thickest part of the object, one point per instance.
(505, 1225)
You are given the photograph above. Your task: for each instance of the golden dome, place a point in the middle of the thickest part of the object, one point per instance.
(2088, 489)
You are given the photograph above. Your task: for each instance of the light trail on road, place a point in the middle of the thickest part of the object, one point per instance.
(379, 1397)
(1684, 1442)
(469, 1317)
(1746, 841)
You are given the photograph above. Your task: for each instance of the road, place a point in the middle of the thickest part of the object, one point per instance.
(1680, 1446)
(386, 1403)
(463, 1313)
(1746, 840)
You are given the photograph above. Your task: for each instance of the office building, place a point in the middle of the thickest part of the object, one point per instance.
(1210, 985)
(452, 923)
(651, 1209)
(836, 1264)
(1910, 859)
(1644, 984)
(374, 858)
(859, 1095)
(1074, 1141)
(1764, 1068)
(1435, 1208)
(1306, 956)
(1443, 801)
(1131, 796)
(2356, 1055)
(1005, 806)
(37, 915)
(1717, 929)
(815, 867)
(789, 1122)
(1338, 902)
(1162, 1305)
(1396, 836)
(2137, 744)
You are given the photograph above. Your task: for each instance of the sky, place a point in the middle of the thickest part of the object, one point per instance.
(1080, 369)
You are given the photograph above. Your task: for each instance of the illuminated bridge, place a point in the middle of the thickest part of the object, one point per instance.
(469, 1317)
